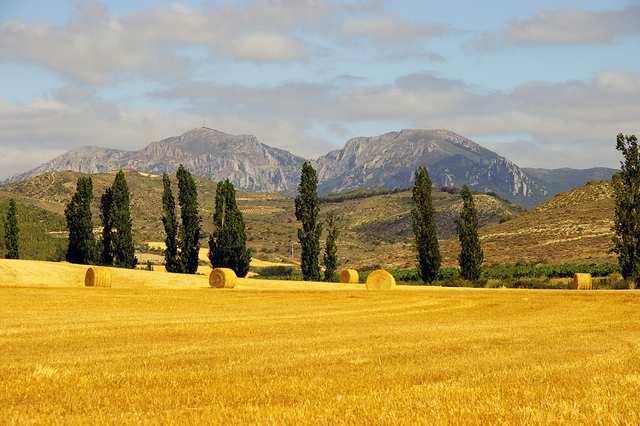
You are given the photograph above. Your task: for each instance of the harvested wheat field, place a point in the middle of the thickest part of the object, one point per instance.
(250, 355)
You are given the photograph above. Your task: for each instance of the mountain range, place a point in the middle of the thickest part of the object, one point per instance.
(385, 161)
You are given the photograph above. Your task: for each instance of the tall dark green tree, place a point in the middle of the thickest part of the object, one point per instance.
(122, 244)
(106, 215)
(170, 222)
(190, 229)
(307, 211)
(424, 228)
(471, 256)
(82, 243)
(11, 232)
(228, 241)
(330, 259)
(626, 223)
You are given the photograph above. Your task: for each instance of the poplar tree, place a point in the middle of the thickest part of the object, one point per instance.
(190, 230)
(122, 239)
(228, 241)
(307, 210)
(626, 224)
(330, 259)
(424, 228)
(11, 231)
(82, 243)
(106, 214)
(170, 222)
(471, 256)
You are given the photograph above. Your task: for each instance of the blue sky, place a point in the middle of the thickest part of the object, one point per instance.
(545, 84)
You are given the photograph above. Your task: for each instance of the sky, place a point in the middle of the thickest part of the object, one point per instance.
(545, 84)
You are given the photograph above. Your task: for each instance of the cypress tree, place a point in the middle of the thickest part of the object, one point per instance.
(122, 242)
(330, 259)
(424, 228)
(228, 241)
(471, 256)
(82, 243)
(170, 222)
(106, 214)
(11, 231)
(626, 223)
(307, 210)
(190, 230)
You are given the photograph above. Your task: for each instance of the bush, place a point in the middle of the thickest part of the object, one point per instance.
(276, 271)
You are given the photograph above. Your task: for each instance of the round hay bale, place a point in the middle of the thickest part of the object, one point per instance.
(582, 281)
(349, 276)
(380, 280)
(222, 278)
(98, 276)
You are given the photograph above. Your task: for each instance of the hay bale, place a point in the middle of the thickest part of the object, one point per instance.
(380, 280)
(349, 276)
(222, 278)
(98, 276)
(582, 281)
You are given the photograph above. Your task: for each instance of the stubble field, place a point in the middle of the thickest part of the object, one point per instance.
(264, 354)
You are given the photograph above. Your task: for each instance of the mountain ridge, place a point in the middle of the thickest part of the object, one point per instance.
(385, 161)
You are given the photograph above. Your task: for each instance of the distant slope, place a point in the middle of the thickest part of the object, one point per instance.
(562, 180)
(572, 228)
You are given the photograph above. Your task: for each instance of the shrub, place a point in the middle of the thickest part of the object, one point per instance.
(276, 271)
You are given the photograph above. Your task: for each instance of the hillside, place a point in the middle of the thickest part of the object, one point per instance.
(370, 226)
(40, 232)
(572, 228)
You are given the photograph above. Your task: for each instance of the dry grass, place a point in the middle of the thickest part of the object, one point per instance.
(81, 355)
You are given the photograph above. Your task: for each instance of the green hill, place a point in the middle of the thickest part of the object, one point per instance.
(42, 233)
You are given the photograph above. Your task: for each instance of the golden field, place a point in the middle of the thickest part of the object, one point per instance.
(158, 348)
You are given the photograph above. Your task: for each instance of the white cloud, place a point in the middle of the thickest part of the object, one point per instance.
(96, 47)
(574, 26)
(389, 28)
(563, 27)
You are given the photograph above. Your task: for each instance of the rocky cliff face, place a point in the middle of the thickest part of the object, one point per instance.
(390, 160)
(242, 159)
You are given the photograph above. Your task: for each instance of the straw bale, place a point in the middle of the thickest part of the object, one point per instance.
(349, 276)
(380, 280)
(98, 276)
(222, 278)
(582, 281)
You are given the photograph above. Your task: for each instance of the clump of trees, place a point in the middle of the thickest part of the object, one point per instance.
(228, 241)
(471, 255)
(307, 212)
(82, 244)
(115, 248)
(11, 232)
(626, 183)
(330, 259)
(183, 241)
(424, 227)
